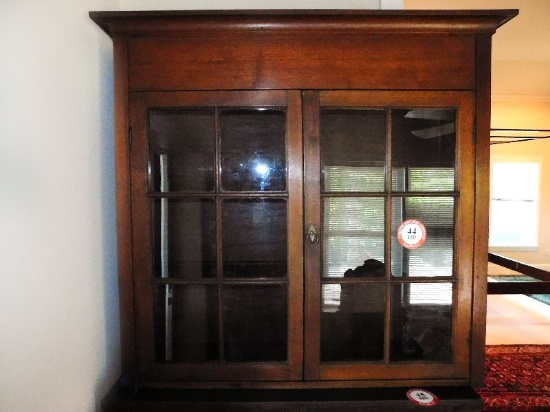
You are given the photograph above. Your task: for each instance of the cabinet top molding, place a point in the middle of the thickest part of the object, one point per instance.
(361, 21)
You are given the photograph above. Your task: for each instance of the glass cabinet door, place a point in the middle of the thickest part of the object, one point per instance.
(219, 269)
(283, 236)
(389, 179)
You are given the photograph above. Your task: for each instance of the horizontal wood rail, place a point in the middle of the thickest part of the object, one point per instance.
(540, 286)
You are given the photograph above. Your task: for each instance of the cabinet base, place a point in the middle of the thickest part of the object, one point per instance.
(459, 399)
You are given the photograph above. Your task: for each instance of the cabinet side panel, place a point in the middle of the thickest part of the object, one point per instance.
(301, 61)
(124, 221)
(481, 229)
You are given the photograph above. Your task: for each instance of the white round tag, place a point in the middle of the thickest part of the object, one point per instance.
(411, 234)
(422, 397)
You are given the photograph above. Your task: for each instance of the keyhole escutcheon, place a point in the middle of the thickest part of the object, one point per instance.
(311, 236)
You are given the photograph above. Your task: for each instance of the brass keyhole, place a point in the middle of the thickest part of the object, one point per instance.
(311, 236)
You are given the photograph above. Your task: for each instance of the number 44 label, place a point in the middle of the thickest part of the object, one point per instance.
(422, 397)
(411, 234)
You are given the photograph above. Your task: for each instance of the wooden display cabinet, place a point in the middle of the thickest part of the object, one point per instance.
(302, 206)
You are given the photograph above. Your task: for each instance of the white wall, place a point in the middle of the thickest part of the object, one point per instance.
(58, 291)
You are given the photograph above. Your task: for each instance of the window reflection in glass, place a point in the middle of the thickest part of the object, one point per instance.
(435, 256)
(353, 233)
(423, 149)
(353, 150)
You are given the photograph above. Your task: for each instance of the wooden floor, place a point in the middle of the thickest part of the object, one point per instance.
(517, 319)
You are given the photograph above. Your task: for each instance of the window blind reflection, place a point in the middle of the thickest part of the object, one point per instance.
(353, 150)
(353, 179)
(353, 232)
(435, 256)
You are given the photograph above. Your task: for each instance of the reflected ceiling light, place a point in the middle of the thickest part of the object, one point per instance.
(262, 169)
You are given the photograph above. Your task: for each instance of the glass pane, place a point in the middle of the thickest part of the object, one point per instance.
(423, 150)
(352, 322)
(254, 238)
(255, 323)
(182, 146)
(253, 150)
(422, 318)
(353, 150)
(186, 323)
(423, 179)
(353, 237)
(184, 238)
(434, 255)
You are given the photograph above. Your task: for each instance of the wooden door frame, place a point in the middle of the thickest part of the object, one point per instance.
(463, 245)
(149, 371)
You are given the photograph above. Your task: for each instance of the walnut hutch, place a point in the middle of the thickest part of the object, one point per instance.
(302, 207)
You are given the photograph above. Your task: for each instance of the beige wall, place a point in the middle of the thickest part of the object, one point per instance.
(520, 93)
(521, 50)
(527, 112)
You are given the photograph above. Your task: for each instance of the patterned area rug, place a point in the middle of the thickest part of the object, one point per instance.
(518, 378)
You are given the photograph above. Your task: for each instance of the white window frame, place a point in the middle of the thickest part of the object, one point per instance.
(532, 246)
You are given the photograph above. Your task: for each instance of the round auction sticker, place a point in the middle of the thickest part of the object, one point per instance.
(422, 397)
(411, 234)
